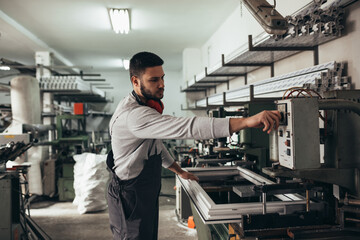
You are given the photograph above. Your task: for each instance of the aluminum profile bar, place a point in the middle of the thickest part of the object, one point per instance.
(258, 180)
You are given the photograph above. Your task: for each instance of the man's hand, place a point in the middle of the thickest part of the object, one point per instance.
(183, 174)
(189, 176)
(265, 119)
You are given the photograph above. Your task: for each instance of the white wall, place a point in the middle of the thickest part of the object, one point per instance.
(173, 98)
(120, 81)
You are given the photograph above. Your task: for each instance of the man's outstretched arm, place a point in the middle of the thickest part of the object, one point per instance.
(265, 119)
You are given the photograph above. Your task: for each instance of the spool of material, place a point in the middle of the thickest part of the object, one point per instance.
(25, 100)
(26, 109)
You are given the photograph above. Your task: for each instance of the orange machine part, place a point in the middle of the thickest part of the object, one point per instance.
(78, 108)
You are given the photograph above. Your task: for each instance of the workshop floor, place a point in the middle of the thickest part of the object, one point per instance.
(60, 220)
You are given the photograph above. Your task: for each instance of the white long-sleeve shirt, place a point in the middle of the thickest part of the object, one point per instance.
(136, 132)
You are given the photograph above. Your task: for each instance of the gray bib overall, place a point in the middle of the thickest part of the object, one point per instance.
(134, 204)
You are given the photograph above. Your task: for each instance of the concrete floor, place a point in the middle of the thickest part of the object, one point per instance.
(61, 220)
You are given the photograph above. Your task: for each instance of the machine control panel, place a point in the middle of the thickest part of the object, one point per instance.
(298, 133)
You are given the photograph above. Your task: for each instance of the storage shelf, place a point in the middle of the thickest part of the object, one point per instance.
(264, 50)
(74, 95)
(263, 53)
(322, 77)
(73, 89)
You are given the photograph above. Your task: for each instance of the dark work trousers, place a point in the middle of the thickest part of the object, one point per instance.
(134, 204)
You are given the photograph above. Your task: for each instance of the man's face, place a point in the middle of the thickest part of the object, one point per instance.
(152, 83)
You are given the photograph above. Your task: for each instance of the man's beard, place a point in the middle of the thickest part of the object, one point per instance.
(147, 94)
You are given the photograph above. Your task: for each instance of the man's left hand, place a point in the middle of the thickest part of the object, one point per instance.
(189, 176)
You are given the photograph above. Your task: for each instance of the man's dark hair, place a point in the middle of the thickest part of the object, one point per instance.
(142, 60)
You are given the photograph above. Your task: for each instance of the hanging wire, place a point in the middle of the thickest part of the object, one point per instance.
(241, 8)
(273, 10)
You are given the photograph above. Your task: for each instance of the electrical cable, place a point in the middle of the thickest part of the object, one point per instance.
(318, 94)
(290, 89)
(273, 10)
(300, 91)
(308, 91)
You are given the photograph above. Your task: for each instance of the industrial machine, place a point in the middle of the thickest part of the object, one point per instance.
(16, 222)
(249, 147)
(311, 192)
(302, 181)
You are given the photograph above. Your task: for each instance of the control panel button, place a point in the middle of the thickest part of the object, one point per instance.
(287, 143)
(288, 134)
(288, 151)
(282, 108)
(281, 133)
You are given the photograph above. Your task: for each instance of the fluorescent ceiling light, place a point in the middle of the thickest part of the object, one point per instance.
(126, 64)
(4, 68)
(120, 20)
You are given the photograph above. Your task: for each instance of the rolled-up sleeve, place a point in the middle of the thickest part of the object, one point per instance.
(147, 123)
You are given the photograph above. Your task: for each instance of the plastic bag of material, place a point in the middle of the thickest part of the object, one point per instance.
(90, 180)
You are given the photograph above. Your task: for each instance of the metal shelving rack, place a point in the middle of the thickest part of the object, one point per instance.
(261, 51)
(73, 89)
(322, 77)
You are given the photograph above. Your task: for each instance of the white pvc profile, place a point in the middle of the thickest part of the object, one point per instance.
(211, 212)
(69, 84)
(201, 103)
(191, 82)
(214, 68)
(191, 105)
(237, 94)
(281, 83)
(200, 76)
(262, 37)
(216, 99)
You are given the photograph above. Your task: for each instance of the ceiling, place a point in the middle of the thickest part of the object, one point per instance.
(79, 32)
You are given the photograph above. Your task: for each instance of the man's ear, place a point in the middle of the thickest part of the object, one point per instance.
(135, 81)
